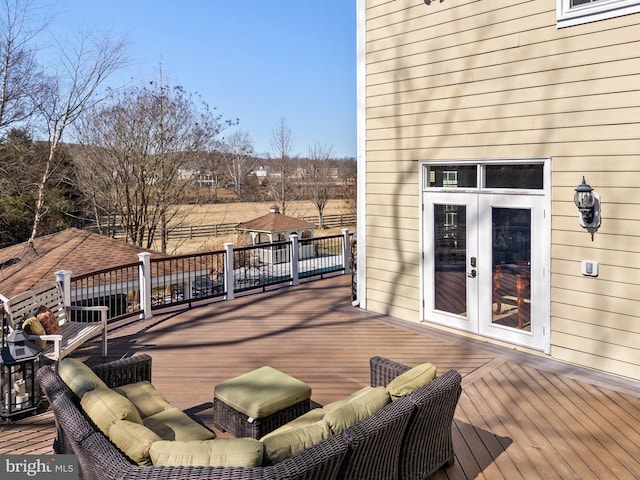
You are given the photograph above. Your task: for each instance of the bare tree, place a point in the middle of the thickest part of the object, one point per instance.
(347, 174)
(143, 144)
(84, 66)
(281, 188)
(237, 150)
(320, 180)
(20, 76)
(212, 168)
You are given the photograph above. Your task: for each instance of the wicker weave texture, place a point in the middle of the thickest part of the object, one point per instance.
(384, 370)
(124, 371)
(435, 406)
(239, 424)
(374, 443)
(99, 459)
(409, 439)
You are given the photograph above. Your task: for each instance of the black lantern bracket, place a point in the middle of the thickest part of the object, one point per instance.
(588, 202)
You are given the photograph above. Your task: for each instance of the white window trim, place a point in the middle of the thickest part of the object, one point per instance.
(567, 16)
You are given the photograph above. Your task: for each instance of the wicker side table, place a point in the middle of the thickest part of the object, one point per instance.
(258, 402)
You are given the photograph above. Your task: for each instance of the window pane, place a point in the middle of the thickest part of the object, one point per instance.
(450, 254)
(453, 176)
(528, 177)
(512, 267)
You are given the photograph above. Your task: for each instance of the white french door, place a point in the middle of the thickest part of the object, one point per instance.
(451, 292)
(486, 264)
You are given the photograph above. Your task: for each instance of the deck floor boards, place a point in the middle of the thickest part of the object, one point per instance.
(519, 416)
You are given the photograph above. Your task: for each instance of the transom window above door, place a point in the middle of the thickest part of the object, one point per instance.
(576, 12)
(491, 176)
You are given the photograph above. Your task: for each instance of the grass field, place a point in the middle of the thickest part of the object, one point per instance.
(211, 214)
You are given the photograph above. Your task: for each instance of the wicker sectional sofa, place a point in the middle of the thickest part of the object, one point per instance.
(409, 438)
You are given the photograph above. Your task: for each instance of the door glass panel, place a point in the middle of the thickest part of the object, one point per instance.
(511, 247)
(528, 177)
(450, 248)
(453, 176)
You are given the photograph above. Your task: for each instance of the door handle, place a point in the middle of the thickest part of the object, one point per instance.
(472, 273)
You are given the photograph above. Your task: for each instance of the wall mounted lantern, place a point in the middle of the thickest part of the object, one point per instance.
(588, 203)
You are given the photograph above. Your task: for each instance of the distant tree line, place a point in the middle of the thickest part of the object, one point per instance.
(136, 154)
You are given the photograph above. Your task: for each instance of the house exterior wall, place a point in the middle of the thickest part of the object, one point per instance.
(470, 79)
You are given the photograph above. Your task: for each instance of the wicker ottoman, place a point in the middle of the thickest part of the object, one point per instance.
(258, 402)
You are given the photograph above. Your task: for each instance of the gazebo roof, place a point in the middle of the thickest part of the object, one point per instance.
(274, 222)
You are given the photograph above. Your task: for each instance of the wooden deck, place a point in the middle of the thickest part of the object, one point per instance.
(520, 416)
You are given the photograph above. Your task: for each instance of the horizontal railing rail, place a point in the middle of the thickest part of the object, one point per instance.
(152, 283)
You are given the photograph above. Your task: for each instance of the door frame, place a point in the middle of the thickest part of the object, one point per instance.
(539, 339)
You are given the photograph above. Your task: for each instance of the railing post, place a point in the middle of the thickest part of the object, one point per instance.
(346, 251)
(145, 284)
(64, 277)
(228, 270)
(295, 244)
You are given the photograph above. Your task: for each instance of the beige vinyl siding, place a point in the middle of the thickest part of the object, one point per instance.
(393, 240)
(488, 80)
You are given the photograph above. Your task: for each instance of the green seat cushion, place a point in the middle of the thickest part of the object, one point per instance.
(134, 440)
(411, 380)
(262, 392)
(79, 377)
(356, 407)
(105, 407)
(289, 440)
(145, 397)
(224, 452)
(174, 424)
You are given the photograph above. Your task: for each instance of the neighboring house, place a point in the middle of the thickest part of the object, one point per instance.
(205, 179)
(262, 172)
(477, 121)
(80, 251)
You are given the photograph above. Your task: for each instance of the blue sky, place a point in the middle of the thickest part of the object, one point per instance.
(255, 60)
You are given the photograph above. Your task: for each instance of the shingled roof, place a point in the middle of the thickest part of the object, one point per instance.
(80, 251)
(274, 221)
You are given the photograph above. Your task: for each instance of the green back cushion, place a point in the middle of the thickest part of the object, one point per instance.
(356, 407)
(145, 397)
(412, 379)
(105, 407)
(312, 416)
(289, 440)
(174, 424)
(78, 377)
(224, 452)
(134, 440)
